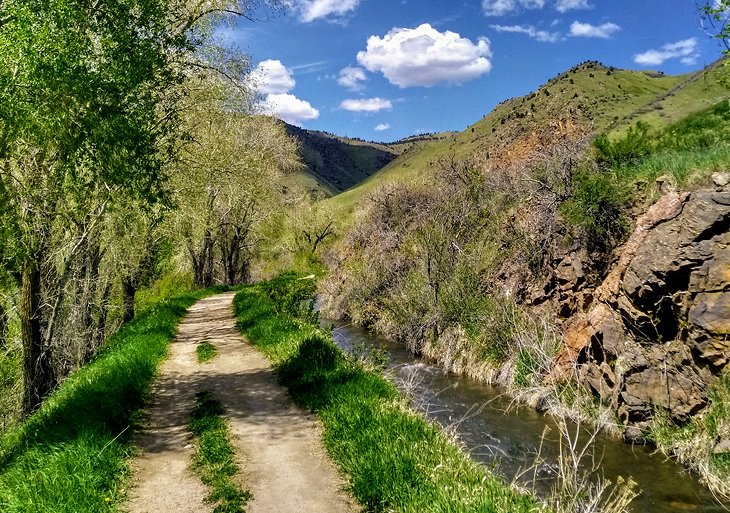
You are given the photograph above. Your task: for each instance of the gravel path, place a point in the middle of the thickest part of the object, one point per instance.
(278, 446)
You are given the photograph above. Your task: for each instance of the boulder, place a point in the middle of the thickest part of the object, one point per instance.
(721, 179)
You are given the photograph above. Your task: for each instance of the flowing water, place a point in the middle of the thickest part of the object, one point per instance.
(507, 438)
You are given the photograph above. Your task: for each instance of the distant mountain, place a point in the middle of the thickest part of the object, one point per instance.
(587, 99)
(339, 163)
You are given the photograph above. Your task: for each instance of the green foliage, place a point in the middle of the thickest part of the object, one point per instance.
(698, 131)
(293, 295)
(75, 447)
(715, 18)
(395, 460)
(214, 457)
(597, 204)
(206, 352)
(628, 149)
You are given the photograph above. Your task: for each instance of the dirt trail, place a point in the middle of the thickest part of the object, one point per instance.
(278, 446)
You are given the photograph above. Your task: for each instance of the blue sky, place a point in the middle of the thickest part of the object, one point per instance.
(386, 69)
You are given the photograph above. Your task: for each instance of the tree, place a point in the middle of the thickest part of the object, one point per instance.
(715, 20)
(80, 89)
(225, 182)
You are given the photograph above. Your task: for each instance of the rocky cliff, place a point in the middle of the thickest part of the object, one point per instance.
(656, 333)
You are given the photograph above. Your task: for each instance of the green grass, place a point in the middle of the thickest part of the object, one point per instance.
(71, 455)
(206, 352)
(213, 460)
(395, 460)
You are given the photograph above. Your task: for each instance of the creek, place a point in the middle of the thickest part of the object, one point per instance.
(507, 438)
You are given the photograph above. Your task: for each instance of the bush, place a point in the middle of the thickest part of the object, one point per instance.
(597, 205)
(628, 149)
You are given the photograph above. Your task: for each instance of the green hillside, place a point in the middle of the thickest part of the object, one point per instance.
(338, 163)
(587, 99)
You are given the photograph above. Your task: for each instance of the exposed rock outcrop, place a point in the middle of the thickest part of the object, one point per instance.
(656, 332)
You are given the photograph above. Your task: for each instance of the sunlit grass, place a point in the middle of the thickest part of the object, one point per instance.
(71, 455)
(214, 458)
(395, 460)
(206, 352)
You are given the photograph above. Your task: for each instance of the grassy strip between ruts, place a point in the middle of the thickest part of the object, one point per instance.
(394, 458)
(206, 352)
(213, 460)
(71, 455)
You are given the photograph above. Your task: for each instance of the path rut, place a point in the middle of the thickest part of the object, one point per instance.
(278, 446)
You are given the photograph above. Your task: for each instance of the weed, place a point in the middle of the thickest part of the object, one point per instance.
(213, 460)
(206, 352)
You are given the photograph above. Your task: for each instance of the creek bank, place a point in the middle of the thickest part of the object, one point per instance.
(647, 339)
(395, 460)
(507, 437)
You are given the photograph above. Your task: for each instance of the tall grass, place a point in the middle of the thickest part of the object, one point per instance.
(70, 456)
(395, 460)
(693, 443)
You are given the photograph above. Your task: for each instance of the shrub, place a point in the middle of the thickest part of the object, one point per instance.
(597, 205)
(628, 149)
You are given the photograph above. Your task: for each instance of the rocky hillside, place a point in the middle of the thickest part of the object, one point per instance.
(587, 99)
(528, 252)
(654, 333)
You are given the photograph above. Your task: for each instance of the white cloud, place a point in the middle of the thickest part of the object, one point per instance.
(272, 77)
(502, 7)
(311, 10)
(685, 50)
(289, 108)
(603, 31)
(542, 36)
(366, 105)
(423, 56)
(382, 127)
(569, 5)
(351, 78)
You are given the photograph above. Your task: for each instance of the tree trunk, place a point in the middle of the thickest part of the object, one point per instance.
(209, 258)
(37, 370)
(3, 326)
(128, 291)
(100, 328)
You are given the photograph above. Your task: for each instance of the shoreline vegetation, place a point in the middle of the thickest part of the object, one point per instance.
(456, 271)
(394, 458)
(78, 444)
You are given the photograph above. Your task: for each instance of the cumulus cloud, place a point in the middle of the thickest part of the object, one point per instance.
(423, 56)
(542, 36)
(603, 31)
(272, 77)
(685, 50)
(310, 10)
(289, 108)
(569, 5)
(382, 127)
(366, 105)
(352, 78)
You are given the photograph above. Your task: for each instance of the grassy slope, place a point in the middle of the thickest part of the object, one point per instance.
(338, 163)
(75, 447)
(598, 99)
(395, 460)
